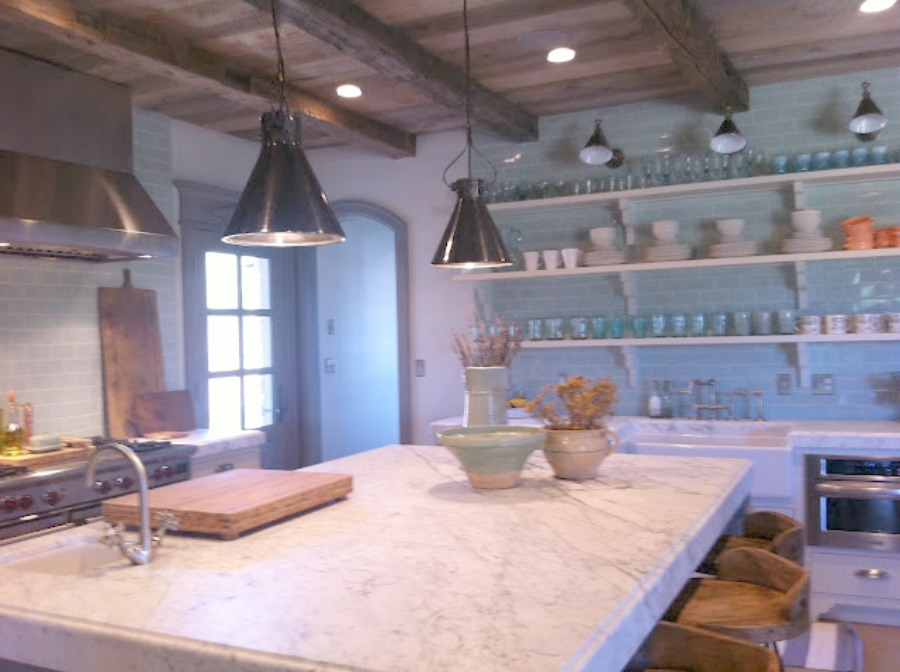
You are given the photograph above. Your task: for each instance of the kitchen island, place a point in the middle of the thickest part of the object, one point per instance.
(415, 571)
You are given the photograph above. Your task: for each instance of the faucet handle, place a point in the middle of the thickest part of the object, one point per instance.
(168, 522)
(112, 536)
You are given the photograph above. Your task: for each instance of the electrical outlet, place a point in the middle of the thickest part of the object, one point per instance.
(420, 368)
(784, 383)
(823, 383)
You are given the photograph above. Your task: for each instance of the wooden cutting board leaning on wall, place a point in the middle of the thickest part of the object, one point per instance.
(132, 352)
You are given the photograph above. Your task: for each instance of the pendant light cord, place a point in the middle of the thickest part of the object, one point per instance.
(470, 146)
(279, 76)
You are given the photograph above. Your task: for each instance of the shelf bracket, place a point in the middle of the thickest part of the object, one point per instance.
(799, 196)
(803, 364)
(800, 285)
(627, 220)
(630, 362)
(627, 281)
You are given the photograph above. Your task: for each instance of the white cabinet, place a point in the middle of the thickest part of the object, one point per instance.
(796, 182)
(242, 458)
(855, 585)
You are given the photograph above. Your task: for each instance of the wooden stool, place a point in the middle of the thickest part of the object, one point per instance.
(681, 647)
(768, 530)
(758, 596)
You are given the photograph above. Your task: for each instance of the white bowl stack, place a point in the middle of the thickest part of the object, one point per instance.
(807, 235)
(666, 246)
(604, 250)
(730, 242)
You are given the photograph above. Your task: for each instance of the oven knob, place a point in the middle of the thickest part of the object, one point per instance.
(161, 472)
(8, 504)
(102, 487)
(52, 497)
(124, 482)
(26, 501)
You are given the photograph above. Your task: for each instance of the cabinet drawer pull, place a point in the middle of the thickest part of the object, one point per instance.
(872, 574)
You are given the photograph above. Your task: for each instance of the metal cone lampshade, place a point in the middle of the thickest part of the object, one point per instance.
(596, 152)
(471, 239)
(283, 203)
(728, 138)
(868, 118)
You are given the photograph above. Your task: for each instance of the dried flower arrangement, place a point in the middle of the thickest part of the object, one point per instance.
(494, 344)
(586, 403)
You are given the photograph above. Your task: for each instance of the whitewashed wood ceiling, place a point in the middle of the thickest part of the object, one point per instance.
(212, 62)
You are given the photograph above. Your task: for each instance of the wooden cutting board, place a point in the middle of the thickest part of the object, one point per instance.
(231, 502)
(34, 460)
(164, 412)
(132, 352)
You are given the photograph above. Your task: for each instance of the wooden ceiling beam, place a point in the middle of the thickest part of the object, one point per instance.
(153, 52)
(350, 29)
(695, 50)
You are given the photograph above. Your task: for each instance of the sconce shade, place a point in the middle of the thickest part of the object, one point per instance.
(283, 204)
(596, 151)
(728, 138)
(471, 240)
(868, 118)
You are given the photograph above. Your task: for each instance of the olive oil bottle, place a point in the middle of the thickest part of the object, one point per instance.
(13, 427)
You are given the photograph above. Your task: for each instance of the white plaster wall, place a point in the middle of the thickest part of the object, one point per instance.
(412, 189)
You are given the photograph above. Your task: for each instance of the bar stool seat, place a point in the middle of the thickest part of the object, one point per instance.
(767, 530)
(673, 647)
(758, 596)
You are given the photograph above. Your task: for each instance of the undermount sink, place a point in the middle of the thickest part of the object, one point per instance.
(73, 556)
(765, 444)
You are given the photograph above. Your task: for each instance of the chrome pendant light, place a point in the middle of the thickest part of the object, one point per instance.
(868, 118)
(471, 239)
(728, 138)
(596, 151)
(283, 204)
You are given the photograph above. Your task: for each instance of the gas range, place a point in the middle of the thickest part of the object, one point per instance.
(37, 499)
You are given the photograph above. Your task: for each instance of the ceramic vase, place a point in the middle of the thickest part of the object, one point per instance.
(486, 388)
(576, 454)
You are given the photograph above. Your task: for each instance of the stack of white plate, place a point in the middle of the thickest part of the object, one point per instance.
(736, 248)
(798, 243)
(602, 256)
(807, 236)
(668, 252)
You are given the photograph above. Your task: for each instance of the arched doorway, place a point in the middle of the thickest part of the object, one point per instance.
(363, 320)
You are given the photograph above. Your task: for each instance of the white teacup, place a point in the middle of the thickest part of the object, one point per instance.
(665, 230)
(867, 323)
(835, 324)
(809, 324)
(602, 236)
(551, 259)
(532, 260)
(571, 257)
(892, 321)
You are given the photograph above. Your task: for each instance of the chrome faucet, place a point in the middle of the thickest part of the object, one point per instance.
(139, 554)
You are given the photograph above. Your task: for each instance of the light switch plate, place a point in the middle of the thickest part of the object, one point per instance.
(823, 383)
(784, 383)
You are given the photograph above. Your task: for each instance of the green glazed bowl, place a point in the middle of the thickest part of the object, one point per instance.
(493, 455)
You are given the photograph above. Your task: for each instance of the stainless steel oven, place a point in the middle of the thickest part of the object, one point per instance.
(853, 502)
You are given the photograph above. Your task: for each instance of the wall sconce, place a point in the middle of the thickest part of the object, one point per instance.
(596, 151)
(868, 118)
(728, 138)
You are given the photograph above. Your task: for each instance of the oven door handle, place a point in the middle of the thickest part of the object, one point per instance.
(857, 491)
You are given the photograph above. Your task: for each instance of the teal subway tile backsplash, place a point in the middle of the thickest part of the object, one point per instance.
(783, 119)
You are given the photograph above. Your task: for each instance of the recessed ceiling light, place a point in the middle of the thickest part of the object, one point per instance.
(561, 55)
(349, 91)
(872, 6)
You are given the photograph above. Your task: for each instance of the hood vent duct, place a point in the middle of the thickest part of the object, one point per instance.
(52, 208)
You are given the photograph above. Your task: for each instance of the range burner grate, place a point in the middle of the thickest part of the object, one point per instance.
(12, 471)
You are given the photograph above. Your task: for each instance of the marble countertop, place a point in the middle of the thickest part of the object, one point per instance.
(414, 572)
(212, 442)
(829, 436)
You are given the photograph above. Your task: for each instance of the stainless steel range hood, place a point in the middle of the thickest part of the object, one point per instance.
(55, 208)
(66, 183)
